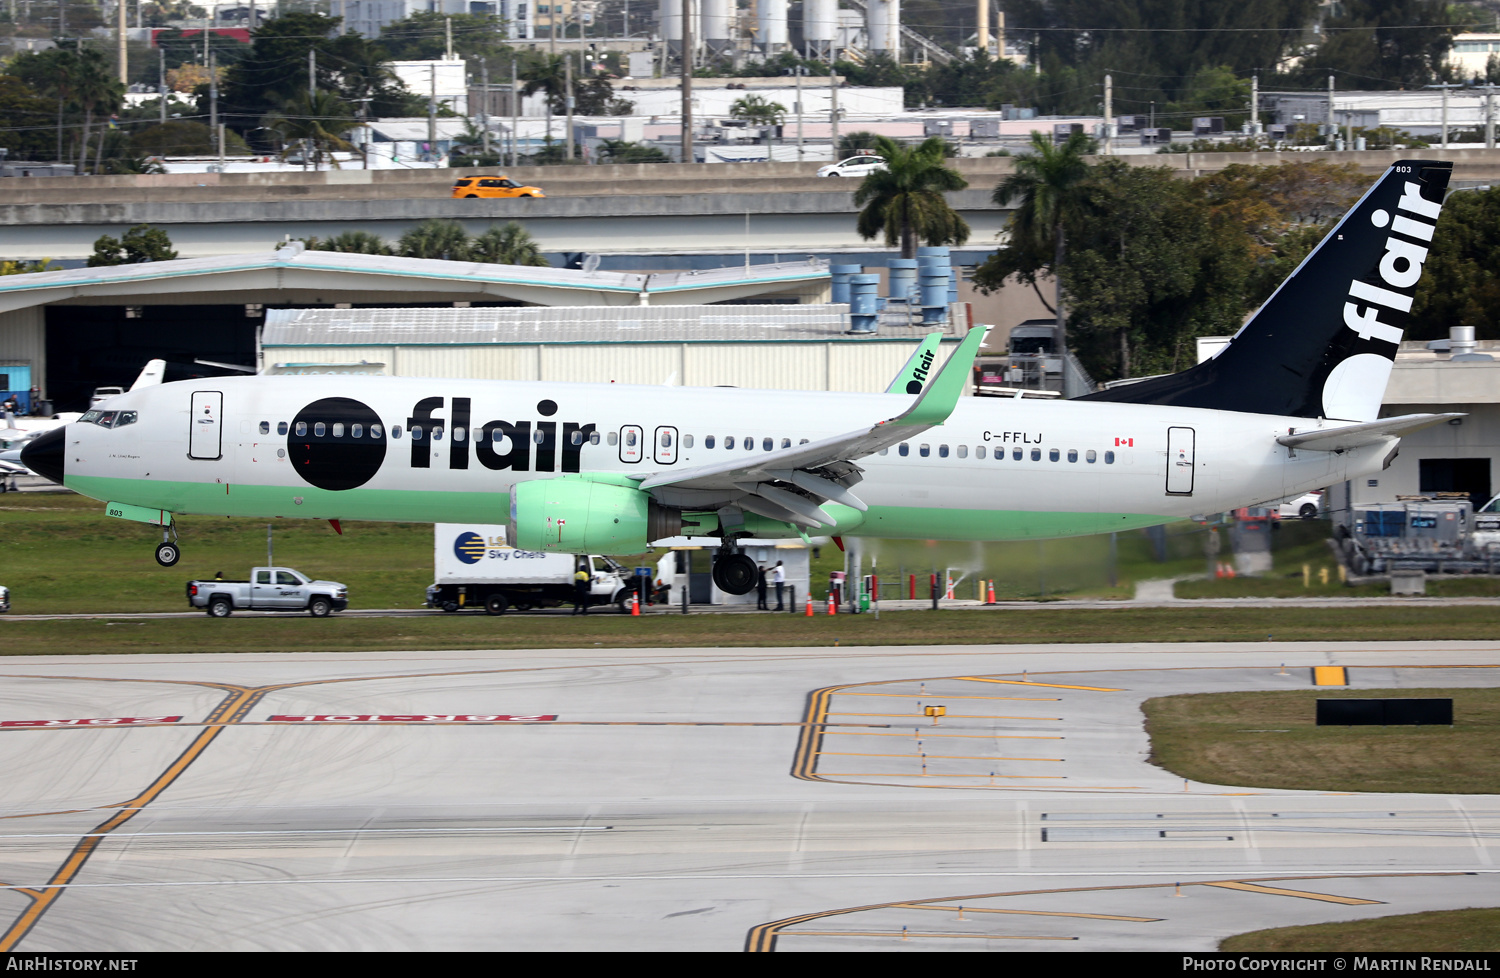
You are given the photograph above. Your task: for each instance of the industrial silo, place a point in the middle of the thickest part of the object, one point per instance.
(772, 23)
(820, 25)
(883, 24)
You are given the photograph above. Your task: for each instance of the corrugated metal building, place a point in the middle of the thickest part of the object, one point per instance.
(780, 347)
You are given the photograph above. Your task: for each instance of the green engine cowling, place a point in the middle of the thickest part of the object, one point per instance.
(577, 515)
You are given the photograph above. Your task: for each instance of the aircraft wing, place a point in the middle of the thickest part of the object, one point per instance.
(1359, 435)
(825, 469)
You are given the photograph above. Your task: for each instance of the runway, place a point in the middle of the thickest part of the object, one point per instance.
(712, 799)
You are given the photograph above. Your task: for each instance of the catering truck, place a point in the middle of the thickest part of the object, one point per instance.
(474, 568)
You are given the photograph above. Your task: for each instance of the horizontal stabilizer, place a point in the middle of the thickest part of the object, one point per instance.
(1359, 435)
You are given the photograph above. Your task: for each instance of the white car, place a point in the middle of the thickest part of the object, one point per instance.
(1306, 506)
(854, 166)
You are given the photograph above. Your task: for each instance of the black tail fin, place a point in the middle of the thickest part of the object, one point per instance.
(1323, 344)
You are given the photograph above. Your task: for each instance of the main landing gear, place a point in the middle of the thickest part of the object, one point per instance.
(735, 573)
(167, 552)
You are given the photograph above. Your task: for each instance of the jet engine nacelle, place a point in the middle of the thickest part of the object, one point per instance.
(582, 516)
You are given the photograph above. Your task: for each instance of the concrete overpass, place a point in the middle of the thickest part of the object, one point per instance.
(767, 208)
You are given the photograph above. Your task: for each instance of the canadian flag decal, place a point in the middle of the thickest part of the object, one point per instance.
(1127, 442)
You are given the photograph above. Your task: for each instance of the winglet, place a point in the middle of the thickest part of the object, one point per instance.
(918, 369)
(941, 396)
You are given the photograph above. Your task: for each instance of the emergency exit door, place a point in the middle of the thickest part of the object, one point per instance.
(1180, 461)
(206, 426)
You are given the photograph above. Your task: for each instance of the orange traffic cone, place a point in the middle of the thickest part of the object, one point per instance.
(635, 605)
(809, 606)
(991, 596)
(832, 608)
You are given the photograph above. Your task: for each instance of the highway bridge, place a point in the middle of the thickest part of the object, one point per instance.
(764, 208)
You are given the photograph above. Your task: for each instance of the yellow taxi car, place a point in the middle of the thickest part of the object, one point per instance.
(500, 186)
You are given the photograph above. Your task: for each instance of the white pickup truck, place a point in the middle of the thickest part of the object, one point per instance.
(269, 589)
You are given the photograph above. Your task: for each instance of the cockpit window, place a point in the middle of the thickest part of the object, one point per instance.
(125, 418)
(89, 417)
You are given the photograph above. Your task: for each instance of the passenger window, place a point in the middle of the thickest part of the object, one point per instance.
(301, 429)
(1092, 456)
(729, 441)
(1109, 458)
(802, 442)
(395, 431)
(786, 443)
(460, 433)
(374, 431)
(1072, 455)
(319, 429)
(593, 438)
(767, 444)
(265, 427)
(281, 427)
(1052, 455)
(708, 441)
(1036, 454)
(614, 438)
(884, 451)
(924, 450)
(576, 438)
(496, 435)
(437, 432)
(979, 451)
(416, 432)
(749, 442)
(1016, 455)
(963, 451)
(942, 451)
(687, 441)
(666, 438)
(630, 437)
(903, 449)
(338, 429)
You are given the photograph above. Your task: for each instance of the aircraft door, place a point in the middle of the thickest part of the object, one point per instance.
(1180, 461)
(630, 443)
(666, 445)
(206, 426)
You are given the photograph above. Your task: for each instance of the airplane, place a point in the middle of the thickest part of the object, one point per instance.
(1290, 404)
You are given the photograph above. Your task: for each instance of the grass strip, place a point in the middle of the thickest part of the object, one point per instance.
(466, 630)
(1434, 932)
(1271, 740)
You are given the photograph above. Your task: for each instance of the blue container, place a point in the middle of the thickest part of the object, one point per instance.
(841, 275)
(902, 279)
(863, 291)
(934, 277)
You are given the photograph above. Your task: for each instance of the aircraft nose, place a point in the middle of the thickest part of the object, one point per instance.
(44, 454)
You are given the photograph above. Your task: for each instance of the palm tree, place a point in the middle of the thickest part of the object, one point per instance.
(755, 110)
(435, 238)
(317, 121)
(508, 245)
(905, 200)
(1050, 185)
(352, 243)
(549, 75)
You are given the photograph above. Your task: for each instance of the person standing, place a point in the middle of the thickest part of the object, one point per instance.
(760, 588)
(581, 590)
(778, 577)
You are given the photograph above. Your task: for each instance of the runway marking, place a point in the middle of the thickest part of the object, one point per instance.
(97, 722)
(904, 935)
(763, 937)
(1028, 682)
(409, 718)
(883, 774)
(950, 716)
(928, 696)
(1031, 913)
(949, 757)
(1330, 676)
(1302, 894)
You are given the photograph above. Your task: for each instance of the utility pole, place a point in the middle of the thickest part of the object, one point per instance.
(833, 107)
(687, 81)
(213, 99)
(161, 81)
(798, 69)
(1255, 104)
(568, 100)
(1445, 87)
(448, 37)
(984, 26)
(312, 75)
(1332, 128)
(431, 109)
(515, 116)
(1489, 117)
(120, 21)
(1109, 114)
(484, 105)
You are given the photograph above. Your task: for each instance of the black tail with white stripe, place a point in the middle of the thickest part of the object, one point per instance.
(1323, 344)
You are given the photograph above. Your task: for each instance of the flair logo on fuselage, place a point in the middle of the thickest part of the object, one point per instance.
(497, 444)
(1400, 267)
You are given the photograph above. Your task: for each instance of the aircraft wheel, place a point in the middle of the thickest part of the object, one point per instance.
(735, 574)
(167, 554)
(496, 604)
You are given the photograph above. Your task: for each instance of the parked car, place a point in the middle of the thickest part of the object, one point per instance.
(4, 599)
(269, 589)
(1305, 507)
(854, 166)
(497, 186)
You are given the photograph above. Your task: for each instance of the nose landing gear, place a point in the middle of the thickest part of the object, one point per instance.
(167, 552)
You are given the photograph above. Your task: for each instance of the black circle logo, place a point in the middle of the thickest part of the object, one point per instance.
(913, 387)
(546, 408)
(336, 443)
